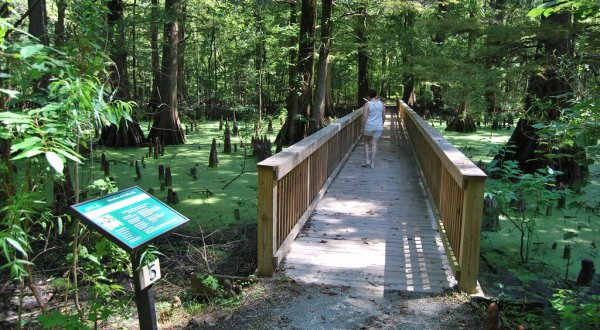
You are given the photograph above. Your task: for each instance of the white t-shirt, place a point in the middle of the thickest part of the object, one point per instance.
(374, 119)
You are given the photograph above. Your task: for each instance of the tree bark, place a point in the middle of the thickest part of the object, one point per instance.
(182, 91)
(134, 87)
(292, 97)
(116, 25)
(59, 28)
(296, 126)
(38, 20)
(126, 134)
(260, 55)
(362, 57)
(166, 123)
(155, 98)
(408, 95)
(318, 115)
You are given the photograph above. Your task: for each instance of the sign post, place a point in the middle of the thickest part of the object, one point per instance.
(132, 219)
(144, 296)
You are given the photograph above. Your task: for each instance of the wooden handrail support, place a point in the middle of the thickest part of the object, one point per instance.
(456, 186)
(291, 183)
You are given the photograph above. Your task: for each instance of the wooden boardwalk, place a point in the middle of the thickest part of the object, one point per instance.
(374, 228)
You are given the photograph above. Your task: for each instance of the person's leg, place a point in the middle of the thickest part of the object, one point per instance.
(374, 139)
(367, 140)
(373, 150)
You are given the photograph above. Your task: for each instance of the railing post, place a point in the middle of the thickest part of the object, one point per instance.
(267, 220)
(471, 233)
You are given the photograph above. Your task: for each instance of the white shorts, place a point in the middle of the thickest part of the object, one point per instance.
(376, 134)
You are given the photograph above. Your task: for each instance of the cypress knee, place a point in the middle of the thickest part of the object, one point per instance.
(161, 172)
(567, 252)
(586, 274)
(156, 147)
(102, 161)
(213, 159)
(227, 144)
(168, 177)
(170, 195)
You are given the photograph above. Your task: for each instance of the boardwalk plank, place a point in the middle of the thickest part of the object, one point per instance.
(373, 228)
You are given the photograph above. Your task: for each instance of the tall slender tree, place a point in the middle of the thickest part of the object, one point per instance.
(127, 133)
(155, 97)
(323, 75)
(38, 20)
(362, 58)
(167, 125)
(295, 128)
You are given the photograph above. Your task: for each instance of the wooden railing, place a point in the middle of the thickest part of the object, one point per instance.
(456, 186)
(292, 182)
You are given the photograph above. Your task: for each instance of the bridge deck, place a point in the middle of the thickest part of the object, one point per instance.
(374, 228)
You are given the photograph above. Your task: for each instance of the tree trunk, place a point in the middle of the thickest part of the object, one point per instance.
(408, 95)
(295, 123)
(182, 91)
(362, 57)
(318, 115)
(155, 97)
(329, 103)
(116, 25)
(463, 122)
(135, 95)
(292, 97)
(166, 124)
(547, 94)
(128, 134)
(383, 90)
(260, 55)
(59, 28)
(38, 19)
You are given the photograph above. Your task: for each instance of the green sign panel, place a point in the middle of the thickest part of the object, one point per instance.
(131, 218)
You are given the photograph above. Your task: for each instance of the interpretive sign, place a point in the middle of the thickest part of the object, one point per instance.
(131, 218)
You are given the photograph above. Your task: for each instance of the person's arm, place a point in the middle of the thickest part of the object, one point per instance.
(365, 115)
(383, 113)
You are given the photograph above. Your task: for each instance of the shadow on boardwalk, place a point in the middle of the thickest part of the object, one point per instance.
(374, 228)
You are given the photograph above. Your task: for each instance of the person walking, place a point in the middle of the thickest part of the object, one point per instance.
(372, 126)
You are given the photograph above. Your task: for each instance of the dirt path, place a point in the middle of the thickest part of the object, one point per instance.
(280, 303)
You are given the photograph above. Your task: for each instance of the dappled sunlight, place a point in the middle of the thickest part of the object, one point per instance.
(372, 231)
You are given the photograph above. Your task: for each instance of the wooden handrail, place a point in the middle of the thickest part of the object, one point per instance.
(291, 183)
(456, 186)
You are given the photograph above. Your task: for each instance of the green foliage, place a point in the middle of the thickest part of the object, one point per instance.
(577, 311)
(211, 282)
(55, 100)
(577, 126)
(582, 8)
(522, 197)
